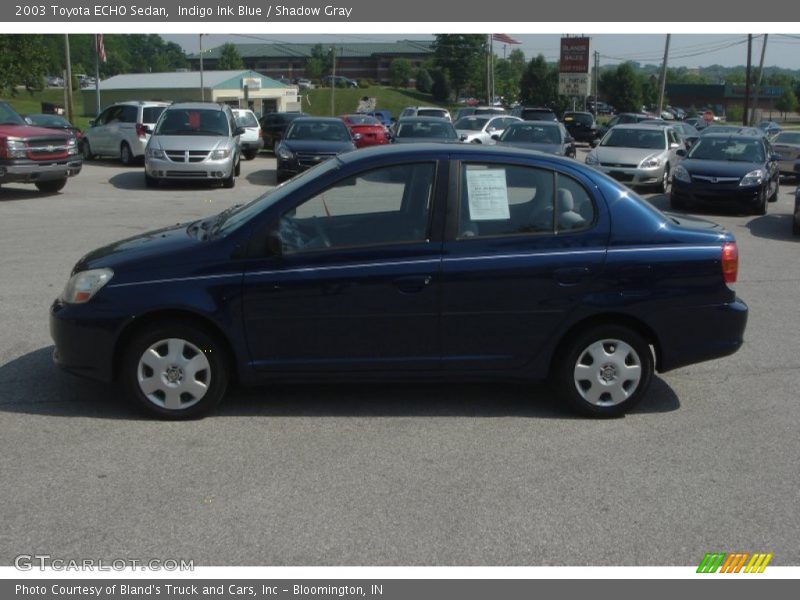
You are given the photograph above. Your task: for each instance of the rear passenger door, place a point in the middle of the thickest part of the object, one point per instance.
(523, 245)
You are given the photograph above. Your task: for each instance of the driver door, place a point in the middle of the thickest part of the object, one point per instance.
(356, 283)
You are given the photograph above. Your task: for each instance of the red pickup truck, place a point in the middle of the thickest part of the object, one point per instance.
(43, 157)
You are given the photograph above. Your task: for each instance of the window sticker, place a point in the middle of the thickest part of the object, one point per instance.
(488, 195)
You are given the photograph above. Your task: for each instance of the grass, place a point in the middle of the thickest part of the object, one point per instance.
(318, 101)
(31, 103)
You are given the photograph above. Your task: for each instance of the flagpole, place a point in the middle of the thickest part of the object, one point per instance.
(97, 73)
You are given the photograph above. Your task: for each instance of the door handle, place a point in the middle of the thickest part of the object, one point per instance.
(413, 284)
(571, 275)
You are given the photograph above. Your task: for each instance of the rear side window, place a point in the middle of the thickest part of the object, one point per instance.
(128, 114)
(508, 200)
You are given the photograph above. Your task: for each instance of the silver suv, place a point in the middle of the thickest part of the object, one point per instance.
(194, 141)
(121, 130)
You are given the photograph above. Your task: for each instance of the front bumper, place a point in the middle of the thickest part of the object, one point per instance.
(31, 171)
(719, 195)
(633, 176)
(208, 170)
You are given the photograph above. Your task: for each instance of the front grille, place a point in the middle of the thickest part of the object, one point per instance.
(620, 176)
(713, 179)
(46, 148)
(619, 165)
(192, 156)
(309, 159)
(188, 174)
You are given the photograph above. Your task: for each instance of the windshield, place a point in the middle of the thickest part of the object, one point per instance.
(787, 137)
(538, 115)
(432, 112)
(426, 129)
(720, 129)
(532, 134)
(471, 123)
(48, 121)
(327, 131)
(619, 137)
(732, 149)
(8, 116)
(180, 121)
(243, 214)
(246, 119)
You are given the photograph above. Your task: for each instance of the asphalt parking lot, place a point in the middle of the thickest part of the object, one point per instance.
(446, 474)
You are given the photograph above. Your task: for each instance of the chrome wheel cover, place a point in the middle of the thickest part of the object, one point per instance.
(607, 372)
(173, 374)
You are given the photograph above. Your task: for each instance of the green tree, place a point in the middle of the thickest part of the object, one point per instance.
(539, 85)
(229, 58)
(441, 88)
(400, 72)
(424, 81)
(508, 75)
(22, 63)
(787, 103)
(463, 57)
(623, 88)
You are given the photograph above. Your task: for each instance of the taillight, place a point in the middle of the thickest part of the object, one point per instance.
(730, 262)
(140, 132)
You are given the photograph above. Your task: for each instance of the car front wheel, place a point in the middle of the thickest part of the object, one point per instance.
(604, 371)
(52, 186)
(175, 371)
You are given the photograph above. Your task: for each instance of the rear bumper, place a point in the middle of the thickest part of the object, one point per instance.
(29, 171)
(721, 334)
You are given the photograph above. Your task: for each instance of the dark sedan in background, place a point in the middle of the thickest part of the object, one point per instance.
(724, 171)
(53, 122)
(409, 130)
(581, 126)
(414, 262)
(310, 141)
(274, 126)
(544, 136)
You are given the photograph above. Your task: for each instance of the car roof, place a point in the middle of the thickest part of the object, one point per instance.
(319, 120)
(743, 137)
(424, 120)
(142, 103)
(197, 105)
(641, 126)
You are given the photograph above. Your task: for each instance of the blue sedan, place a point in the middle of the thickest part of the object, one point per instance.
(430, 261)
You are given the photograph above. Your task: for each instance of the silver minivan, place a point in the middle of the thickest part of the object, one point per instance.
(194, 141)
(120, 130)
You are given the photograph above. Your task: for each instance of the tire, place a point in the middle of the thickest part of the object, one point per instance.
(795, 226)
(761, 207)
(52, 186)
(175, 371)
(275, 147)
(663, 187)
(604, 371)
(676, 203)
(774, 196)
(150, 182)
(237, 170)
(230, 181)
(125, 155)
(86, 150)
(250, 155)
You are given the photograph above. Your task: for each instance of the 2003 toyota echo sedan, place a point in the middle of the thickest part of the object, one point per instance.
(426, 261)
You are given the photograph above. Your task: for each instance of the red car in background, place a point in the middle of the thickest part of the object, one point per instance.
(366, 130)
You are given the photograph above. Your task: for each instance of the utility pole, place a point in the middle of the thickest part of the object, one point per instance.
(746, 117)
(333, 82)
(760, 75)
(662, 84)
(596, 79)
(202, 85)
(68, 81)
(96, 74)
(488, 69)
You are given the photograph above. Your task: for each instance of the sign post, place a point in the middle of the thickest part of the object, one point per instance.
(573, 68)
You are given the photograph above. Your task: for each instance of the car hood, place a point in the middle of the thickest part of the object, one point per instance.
(151, 245)
(29, 131)
(416, 140)
(191, 142)
(547, 148)
(625, 156)
(719, 168)
(317, 146)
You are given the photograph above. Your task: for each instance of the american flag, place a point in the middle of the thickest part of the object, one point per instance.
(101, 48)
(504, 38)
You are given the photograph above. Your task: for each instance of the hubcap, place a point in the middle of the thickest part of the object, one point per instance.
(607, 372)
(174, 374)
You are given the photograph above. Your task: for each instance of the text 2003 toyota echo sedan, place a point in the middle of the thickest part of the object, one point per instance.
(432, 261)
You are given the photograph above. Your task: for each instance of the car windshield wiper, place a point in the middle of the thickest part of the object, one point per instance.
(221, 218)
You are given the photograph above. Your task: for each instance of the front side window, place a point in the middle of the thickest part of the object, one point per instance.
(506, 200)
(388, 205)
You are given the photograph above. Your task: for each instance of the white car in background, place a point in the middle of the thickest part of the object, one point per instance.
(251, 141)
(121, 130)
(479, 129)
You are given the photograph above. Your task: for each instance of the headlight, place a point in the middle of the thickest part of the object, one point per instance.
(72, 146)
(16, 149)
(753, 178)
(651, 162)
(681, 174)
(591, 159)
(154, 152)
(285, 153)
(220, 153)
(82, 286)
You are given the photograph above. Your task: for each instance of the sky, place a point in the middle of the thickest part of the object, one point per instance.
(694, 50)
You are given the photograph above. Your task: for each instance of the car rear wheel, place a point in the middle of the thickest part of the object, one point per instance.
(52, 186)
(604, 371)
(125, 154)
(175, 371)
(86, 150)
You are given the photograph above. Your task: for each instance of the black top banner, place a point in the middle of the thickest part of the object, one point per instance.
(379, 11)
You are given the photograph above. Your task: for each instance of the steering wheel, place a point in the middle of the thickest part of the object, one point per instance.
(321, 232)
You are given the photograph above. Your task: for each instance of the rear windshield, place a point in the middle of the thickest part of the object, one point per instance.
(787, 137)
(429, 129)
(471, 123)
(730, 149)
(317, 130)
(532, 134)
(432, 112)
(179, 121)
(150, 114)
(635, 138)
(246, 119)
(580, 118)
(362, 120)
(538, 115)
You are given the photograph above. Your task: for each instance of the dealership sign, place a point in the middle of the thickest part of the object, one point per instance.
(574, 55)
(573, 84)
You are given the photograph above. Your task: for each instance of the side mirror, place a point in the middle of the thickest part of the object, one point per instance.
(594, 143)
(91, 123)
(569, 140)
(774, 157)
(674, 146)
(681, 152)
(239, 131)
(463, 138)
(496, 137)
(148, 129)
(275, 243)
